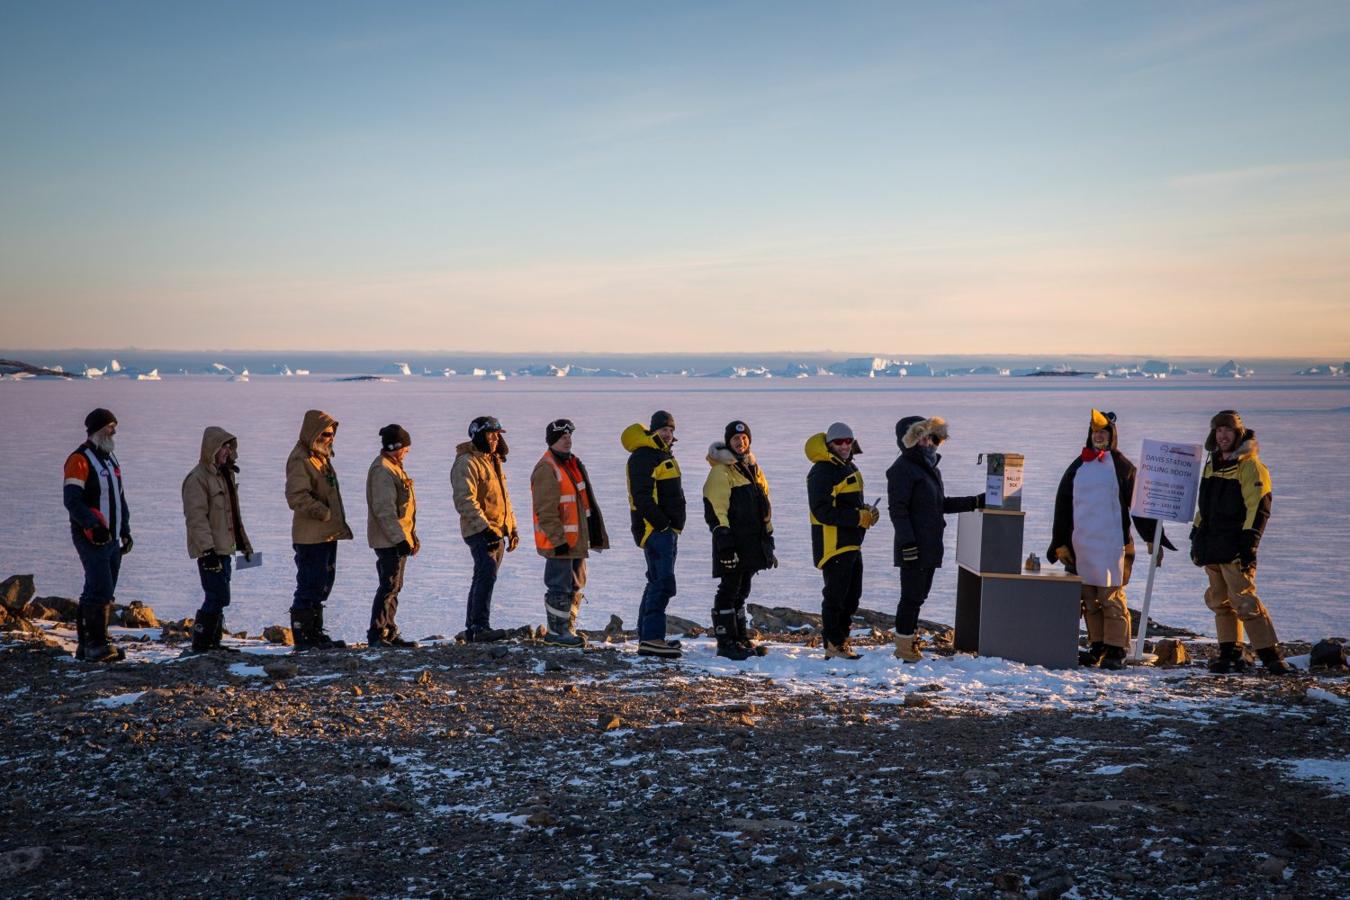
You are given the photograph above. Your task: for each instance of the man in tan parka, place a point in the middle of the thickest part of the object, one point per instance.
(215, 531)
(391, 531)
(318, 523)
(567, 526)
(486, 520)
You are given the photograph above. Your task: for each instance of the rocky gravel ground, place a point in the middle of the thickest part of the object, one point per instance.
(522, 770)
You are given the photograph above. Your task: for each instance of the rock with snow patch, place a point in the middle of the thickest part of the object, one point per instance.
(280, 669)
(278, 634)
(15, 592)
(53, 609)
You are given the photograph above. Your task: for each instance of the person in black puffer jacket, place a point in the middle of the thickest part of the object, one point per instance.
(918, 504)
(737, 509)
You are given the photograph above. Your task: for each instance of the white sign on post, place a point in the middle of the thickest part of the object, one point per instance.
(1166, 483)
(1165, 488)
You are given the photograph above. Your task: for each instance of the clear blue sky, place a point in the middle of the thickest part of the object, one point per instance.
(1058, 176)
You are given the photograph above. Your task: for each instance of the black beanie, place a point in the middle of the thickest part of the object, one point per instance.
(735, 428)
(556, 429)
(660, 419)
(393, 437)
(98, 420)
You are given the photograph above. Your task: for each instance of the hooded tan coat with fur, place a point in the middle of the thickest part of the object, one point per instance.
(207, 511)
(312, 490)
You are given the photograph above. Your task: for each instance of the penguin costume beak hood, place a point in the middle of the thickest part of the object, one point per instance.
(1103, 422)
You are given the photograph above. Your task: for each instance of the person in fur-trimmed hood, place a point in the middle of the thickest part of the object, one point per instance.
(918, 506)
(1230, 519)
(1091, 537)
(737, 509)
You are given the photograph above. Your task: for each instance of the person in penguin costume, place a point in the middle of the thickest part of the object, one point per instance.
(1091, 537)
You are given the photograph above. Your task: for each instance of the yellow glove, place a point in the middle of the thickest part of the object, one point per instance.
(1064, 555)
(868, 516)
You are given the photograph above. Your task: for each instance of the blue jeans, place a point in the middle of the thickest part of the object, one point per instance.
(486, 562)
(564, 576)
(101, 565)
(389, 568)
(661, 549)
(216, 586)
(315, 570)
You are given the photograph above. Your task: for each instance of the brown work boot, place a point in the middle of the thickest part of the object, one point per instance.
(907, 648)
(844, 650)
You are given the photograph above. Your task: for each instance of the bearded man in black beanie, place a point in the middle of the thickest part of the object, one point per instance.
(100, 526)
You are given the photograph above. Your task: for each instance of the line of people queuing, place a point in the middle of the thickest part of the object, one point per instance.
(1091, 532)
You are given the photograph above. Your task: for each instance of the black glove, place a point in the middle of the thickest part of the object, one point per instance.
(211, 562)
(773, 561)
(127, 544)
(1247, 544)
(1197, 556)
(909, 556)
(493, 540)
(512, 542)
(248, 555)
(403, 548)
(980, 501)
(99, 535)
(561, 550)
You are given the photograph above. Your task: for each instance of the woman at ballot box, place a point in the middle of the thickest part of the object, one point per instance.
(918, 505)
(1091, 537)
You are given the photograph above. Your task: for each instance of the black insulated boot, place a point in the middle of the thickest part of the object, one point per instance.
(743, 635)
(1113, 659)
(1270, 658)
(301, 630)
(1230, 660)
(1092, 656)
(562, 632)
(203, 631)
(320, 637)
(218, 632)
(97, 647)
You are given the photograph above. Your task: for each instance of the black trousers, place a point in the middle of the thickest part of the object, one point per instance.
(729, 601)
(389, 568)
(840, 596)
(915, 583)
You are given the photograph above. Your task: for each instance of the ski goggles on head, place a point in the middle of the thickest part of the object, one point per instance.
(562, 426)
(485, 423)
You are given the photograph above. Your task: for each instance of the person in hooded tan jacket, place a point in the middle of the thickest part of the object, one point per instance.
(486, 520)
(215, 531)
(317, 524)
(391, 531)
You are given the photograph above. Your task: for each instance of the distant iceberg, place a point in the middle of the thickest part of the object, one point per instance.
(801, 370)
(438, 373)
(218, 369)
(740, 372)
(1327, 370)
(397, 368)
(242, 376)
(860, 367)
(152, 375)
(1232, 369)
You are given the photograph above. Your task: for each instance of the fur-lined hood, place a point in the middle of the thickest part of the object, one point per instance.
(908, 432)
(719, 454)
(1247, 447)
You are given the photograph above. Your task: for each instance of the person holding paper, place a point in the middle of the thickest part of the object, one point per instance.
(918, 505)
(215, 531)
(391, 531)
(1091, 537)
(317, 524)
(840, 517)
(1233, 509)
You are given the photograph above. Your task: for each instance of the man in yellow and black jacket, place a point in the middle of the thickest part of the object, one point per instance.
(656, 500)
(840, 517)
(1233, 509)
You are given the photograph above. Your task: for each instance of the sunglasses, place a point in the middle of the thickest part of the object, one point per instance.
(326, 434)
(847, 442)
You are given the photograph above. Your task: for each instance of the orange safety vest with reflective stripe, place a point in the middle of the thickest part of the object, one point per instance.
(573, 503)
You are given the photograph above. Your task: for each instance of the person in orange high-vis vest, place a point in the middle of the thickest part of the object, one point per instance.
(567, 526)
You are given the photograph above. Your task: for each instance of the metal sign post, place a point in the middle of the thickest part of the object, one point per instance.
(1165, 489)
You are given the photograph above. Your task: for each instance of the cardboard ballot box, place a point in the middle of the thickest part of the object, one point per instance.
(1003, 480)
